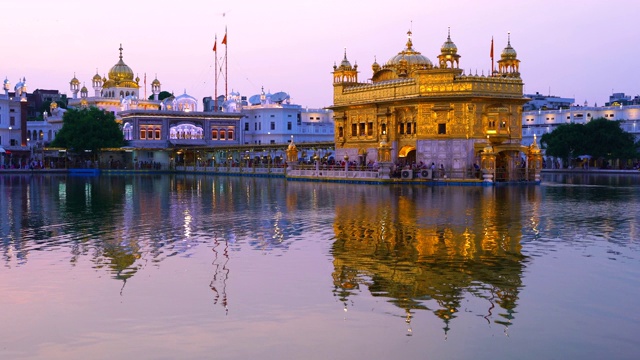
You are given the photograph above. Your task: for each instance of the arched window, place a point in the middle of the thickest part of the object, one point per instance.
(186, 131)
(214, 134)
(127, 131)
(230, 134)
(222, 134)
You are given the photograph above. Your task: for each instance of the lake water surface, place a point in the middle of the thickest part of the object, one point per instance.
(214, 267)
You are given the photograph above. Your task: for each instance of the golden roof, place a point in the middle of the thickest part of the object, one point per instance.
(345, 64)
(74, 81)
(414, 59)
(509, 52)
(120, 72)
(449, 47)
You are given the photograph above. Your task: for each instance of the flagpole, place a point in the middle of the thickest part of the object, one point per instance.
(493, 69)
(215, 96)
(226, 66)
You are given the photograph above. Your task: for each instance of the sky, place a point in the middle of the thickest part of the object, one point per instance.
(579, 49)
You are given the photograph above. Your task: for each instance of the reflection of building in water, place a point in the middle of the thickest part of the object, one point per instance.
(424, 246)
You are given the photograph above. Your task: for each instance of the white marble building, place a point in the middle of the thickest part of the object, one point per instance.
(273, 119)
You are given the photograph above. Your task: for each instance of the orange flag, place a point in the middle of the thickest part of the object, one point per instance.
(224, 40)
(491, 54)
(214, 46)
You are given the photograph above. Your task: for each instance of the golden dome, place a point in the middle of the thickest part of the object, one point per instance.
(74, 81)
(97, 77)
(449, 47)
(155, 82)
(414, 60)
(345, 64)
(509, 52)
(375, 66)
(120, 71)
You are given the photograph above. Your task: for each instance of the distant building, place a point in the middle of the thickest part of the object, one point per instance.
(166, 136)
(617, 99)
(41, 133)
(541, 102)
(116, 93)
(272, 119)
(13, 124)
(540, 122)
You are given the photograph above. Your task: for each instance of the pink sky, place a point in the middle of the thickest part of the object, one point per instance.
(582, 49)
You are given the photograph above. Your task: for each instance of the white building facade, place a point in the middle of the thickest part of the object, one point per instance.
(13, 125)
(540, 122)
(273, 119)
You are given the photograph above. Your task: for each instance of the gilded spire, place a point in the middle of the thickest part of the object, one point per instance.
(409, 43)
(120, 51)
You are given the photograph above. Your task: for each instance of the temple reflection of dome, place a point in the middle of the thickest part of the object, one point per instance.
(413, 261)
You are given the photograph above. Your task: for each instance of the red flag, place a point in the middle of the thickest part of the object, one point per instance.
(491, 54)
(214, 46)
(224, 40)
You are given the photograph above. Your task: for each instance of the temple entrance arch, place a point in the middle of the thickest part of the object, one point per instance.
(407, 155)
(510, 165)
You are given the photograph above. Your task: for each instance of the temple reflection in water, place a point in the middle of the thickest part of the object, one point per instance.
(420, 247)
(430, 248)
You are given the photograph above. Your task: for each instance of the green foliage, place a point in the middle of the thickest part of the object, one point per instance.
(607, 140)
(88, 129)
(163, 95)
(565, 141)
(600, 138)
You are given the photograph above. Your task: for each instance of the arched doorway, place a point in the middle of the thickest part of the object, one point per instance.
(362, 156)
(407, 155)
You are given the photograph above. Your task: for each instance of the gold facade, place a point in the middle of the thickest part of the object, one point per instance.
(430, 113)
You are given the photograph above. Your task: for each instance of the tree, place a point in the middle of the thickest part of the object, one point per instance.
(566, 141)
(607, 140)
(163, 95)
(88, 129)
(600, 138)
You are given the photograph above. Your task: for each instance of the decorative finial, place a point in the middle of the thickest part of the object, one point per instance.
(449, 33)
(509, 38)
(409, 43)
(120, 51)
(345, 53)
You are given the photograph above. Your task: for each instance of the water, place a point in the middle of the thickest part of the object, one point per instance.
(195, 267)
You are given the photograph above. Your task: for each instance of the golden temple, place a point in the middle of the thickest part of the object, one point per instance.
(412, 111)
